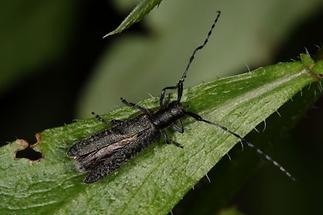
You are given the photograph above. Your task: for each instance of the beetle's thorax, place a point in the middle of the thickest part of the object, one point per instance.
(168, 115)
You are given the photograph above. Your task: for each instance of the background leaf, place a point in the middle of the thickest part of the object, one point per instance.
(160, 176)
(143, 8)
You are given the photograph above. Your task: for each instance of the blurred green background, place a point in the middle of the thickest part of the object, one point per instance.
(55, 67)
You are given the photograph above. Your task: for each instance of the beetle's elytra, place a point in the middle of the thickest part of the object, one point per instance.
(102, 153)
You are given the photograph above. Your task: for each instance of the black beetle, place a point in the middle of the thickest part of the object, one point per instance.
(103, 152)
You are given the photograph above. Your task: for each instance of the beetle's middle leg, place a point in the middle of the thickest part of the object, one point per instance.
(179, 128)
(169, 141)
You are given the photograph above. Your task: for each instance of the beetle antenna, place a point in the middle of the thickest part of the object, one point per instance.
(244, 142)
(191, 59)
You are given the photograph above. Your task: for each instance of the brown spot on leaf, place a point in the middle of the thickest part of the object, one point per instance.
(38, 140)
(22, 144)
(317, 76)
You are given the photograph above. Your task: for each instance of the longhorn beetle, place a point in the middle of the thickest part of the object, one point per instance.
(102, 153)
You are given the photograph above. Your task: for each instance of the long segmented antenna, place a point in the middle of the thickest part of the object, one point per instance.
(200, 47)
(244, 142)
(259, 151)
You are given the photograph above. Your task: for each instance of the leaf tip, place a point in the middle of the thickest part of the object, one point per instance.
(108, 34)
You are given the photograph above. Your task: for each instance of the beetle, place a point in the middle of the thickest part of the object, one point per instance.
(102, 153)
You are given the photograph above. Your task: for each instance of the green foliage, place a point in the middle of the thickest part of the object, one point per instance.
(161, 175)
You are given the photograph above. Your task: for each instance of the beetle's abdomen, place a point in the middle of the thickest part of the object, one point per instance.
(119, 157)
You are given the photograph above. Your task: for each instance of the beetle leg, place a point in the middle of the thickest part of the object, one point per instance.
(169, 141)
(162, 101)
(107, 122)
(130, 104)
(178, 128)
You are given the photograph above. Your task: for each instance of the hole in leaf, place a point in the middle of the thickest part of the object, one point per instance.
(29, 153)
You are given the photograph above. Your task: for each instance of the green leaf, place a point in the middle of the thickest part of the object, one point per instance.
(154, 181)
(143, 8)
(278, 138)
